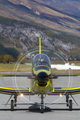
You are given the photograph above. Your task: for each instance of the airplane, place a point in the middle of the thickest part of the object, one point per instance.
(41, 83)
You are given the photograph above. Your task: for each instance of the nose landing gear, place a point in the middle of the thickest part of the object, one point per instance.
(42, 103)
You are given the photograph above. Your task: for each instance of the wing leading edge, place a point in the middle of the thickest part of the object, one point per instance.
(13, 91)
(64, 91)
(27, 91)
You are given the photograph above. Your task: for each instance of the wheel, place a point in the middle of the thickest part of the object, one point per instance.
(15, 105)
(67, 104)
(70, 105)
(42, 110)
(12, 105)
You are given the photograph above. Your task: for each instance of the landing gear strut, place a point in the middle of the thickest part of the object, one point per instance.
(42, 103)
(13, 103)
(70, 105)
(15, 100)
(68, 102)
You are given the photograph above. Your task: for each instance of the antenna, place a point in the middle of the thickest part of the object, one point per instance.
(39, 45)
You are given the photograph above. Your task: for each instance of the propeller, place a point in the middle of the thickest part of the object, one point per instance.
(28, 76)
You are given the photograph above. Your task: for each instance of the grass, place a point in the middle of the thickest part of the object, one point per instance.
(27, 68)
(72, 72)
(66, 72)
(12, 68)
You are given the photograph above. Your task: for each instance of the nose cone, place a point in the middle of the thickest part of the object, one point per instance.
(42, 74)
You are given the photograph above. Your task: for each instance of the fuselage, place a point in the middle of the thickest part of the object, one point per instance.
(42, 70)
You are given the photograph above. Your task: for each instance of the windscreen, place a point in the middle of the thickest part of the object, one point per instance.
(41, 59)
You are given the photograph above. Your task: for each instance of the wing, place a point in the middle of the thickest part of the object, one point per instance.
(13, 91)
(64, 91)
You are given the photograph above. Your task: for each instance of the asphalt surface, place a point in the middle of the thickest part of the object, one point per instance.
(28, 112)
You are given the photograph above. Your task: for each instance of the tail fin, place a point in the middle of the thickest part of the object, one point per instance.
(39, 45)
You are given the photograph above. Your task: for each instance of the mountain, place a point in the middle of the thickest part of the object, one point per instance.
(69, 6)
(24, 36)
(22, 22)
(37, 12)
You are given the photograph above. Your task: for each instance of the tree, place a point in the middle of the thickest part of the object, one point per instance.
(12, 51)
(9, 51)
(1, 59)
(8, 58)
(22, 58)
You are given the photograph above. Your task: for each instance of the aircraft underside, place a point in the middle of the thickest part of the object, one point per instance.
(41, 106)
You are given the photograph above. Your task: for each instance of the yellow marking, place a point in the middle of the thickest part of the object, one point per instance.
(42, 66)
(53, 89)
(29, 89)
(39, 89)
(13, 88)
(39, 45)
(48, 82)
(42, 70)
(36, 82)
(68, 88)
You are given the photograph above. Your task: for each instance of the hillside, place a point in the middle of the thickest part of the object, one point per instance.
(8, 51)
(22, 22)
(69, 6)
(24, 36)
(39, 13)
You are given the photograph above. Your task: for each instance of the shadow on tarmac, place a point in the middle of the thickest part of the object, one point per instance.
(37, 110)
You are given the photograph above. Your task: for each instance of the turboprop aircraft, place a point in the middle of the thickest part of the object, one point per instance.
(41, 83)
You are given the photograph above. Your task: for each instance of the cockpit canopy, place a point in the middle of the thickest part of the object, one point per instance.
(41, 59)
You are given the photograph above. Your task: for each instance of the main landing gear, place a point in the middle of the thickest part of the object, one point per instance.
(13, 103)
(68, 102)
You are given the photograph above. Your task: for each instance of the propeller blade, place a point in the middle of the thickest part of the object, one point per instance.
(28, 76)
(53, 77)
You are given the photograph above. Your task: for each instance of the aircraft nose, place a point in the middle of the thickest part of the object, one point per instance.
(42, 74)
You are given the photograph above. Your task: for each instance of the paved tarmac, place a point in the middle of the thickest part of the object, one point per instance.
(56, 112)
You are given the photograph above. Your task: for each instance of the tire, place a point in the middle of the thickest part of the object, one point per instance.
(70, 105)
(42, 110)
(12, 105)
